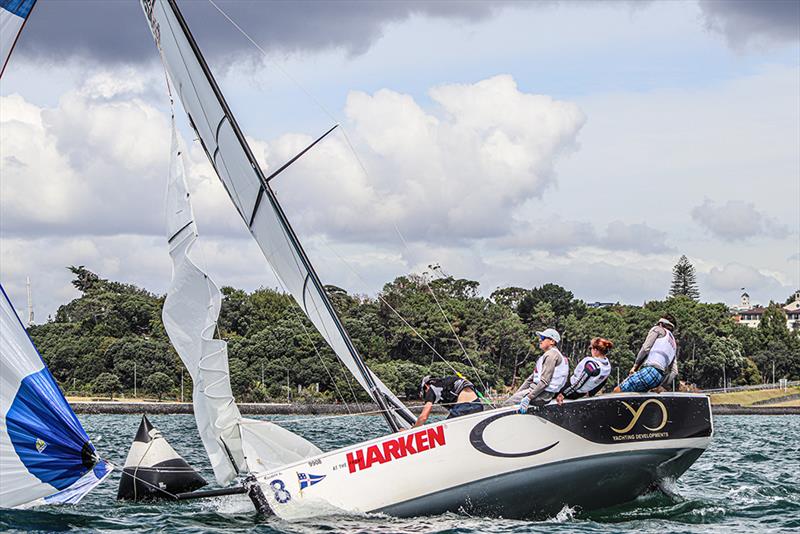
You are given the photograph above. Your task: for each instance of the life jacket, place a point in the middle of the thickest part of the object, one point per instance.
(589, 365)
(560, 373)
(446, 390)
(663, 353)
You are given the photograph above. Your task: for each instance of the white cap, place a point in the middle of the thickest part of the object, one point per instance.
(551, 333)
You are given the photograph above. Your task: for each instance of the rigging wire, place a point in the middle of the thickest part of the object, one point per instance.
(397, 313)
(452, 329)
(204, 259)
(316, 350)
(352, 149)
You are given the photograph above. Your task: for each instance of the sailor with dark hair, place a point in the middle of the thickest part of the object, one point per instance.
(455, 393)
(656, 364)
(591, 374)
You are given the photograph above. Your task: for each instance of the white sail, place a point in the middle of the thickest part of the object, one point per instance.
(252, 196)
(12, 19)
(190, 317)
(268, 446)
(44, 451)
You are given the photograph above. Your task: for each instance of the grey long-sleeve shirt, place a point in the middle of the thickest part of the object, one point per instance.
(552, 357)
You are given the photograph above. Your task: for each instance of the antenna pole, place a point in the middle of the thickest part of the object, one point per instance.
(30, 302)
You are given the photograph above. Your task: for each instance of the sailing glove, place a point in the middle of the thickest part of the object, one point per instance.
(523, 405)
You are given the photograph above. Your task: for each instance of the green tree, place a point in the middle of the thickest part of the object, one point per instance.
(684, 280)
(158, 384)
(107, 383)
(84, 278)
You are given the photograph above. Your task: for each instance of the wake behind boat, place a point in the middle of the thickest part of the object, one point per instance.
(589, 453)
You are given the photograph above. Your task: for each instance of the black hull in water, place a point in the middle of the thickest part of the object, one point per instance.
(153, 470)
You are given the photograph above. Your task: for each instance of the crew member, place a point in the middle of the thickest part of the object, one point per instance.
(455, 393)
(549, 375)
(656, 362)
(590, 374)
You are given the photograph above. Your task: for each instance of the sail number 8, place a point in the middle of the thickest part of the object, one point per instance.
(282, 495)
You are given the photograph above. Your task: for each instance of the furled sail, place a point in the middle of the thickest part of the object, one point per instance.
(190, 317)
(44, 451)
(13, 14)
(250, 192)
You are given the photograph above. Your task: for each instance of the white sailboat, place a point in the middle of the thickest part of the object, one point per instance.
(588, 453)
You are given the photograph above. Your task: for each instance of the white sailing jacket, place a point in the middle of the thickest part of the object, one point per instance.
(560, 373)
(663, 352)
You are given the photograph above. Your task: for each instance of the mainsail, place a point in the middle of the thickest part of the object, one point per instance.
(190, 317)
(250, 192)
(13, 14)
(44, 451)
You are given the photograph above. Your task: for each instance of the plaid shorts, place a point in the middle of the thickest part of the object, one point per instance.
(643, 380)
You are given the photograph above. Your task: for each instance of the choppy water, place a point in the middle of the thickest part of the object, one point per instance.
(748, 481)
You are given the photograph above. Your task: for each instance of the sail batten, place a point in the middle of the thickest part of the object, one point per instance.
(246, 185)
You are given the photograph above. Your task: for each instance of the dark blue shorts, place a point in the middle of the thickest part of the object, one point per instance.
(642, 380)
(465, 408)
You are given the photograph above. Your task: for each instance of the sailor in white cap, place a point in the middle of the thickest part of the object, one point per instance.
(549, 375)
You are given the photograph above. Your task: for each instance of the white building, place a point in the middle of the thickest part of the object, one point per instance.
(750, 316)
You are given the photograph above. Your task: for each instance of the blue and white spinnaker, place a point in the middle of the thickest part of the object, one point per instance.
(45, 455)
(13, 14)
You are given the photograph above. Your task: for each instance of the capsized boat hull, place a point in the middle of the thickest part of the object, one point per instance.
(590, 453)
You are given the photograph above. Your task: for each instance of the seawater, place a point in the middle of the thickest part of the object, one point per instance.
(748, 481)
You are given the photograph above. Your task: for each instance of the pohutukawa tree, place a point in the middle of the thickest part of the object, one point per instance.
(684, 281)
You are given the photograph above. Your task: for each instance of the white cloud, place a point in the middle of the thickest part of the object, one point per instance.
(636, 237)
(736, 220)
(729, 279)
(454, 172)
(91, 165)
(558, 236)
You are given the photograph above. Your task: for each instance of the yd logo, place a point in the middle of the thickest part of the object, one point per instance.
(637, 413)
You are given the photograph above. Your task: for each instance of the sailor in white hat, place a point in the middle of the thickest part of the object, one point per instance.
(549, 375)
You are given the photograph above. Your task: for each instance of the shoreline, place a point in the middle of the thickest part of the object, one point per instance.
(166, 408)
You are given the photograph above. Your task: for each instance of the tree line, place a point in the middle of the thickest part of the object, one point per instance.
(111, 339)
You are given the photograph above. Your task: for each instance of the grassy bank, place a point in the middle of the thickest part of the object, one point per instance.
(747, 398)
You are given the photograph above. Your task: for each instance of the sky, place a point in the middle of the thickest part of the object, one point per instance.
(584, 143)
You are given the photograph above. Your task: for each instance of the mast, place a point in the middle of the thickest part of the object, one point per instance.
(266, 191)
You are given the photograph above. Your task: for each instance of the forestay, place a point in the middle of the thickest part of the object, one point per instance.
(190, 315)
(44, 451)
(248, 189)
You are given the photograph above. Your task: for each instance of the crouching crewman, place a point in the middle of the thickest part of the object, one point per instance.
(455, 393)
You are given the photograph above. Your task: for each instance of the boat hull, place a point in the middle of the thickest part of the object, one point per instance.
(590, 453)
